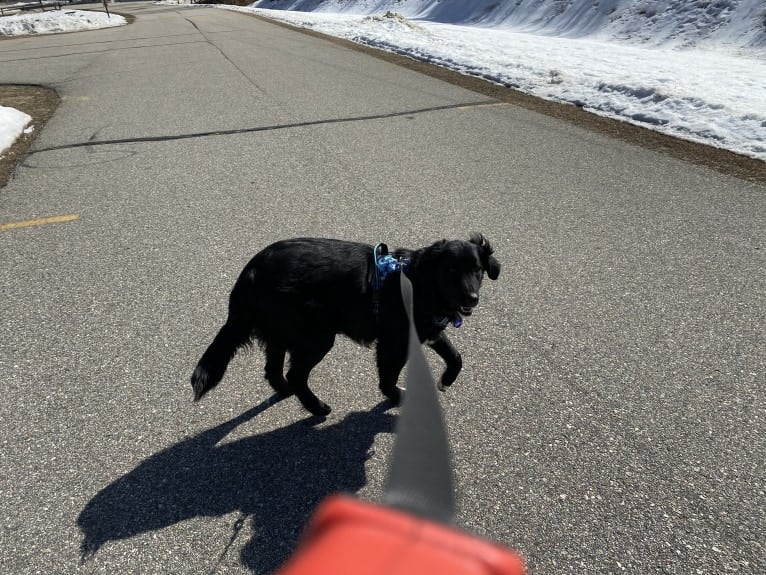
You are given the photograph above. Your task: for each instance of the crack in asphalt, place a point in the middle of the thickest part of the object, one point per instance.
(100, 51)
(167, 138)
(225, 56)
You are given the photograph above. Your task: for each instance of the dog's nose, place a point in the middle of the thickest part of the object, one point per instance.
(473, 299)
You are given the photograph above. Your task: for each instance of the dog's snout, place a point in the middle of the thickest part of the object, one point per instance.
(472, 299)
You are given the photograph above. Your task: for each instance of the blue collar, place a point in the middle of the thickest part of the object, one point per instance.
(385, 264)
(443, 322)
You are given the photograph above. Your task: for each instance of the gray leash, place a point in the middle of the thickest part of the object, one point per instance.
(420, 479)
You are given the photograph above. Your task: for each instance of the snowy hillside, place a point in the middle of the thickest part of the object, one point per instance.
(694, 69)
(683, 23)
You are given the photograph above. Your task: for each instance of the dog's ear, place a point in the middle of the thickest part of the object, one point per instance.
(493, 268)
(488, 262)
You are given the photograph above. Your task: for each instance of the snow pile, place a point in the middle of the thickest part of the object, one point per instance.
(55, 21)
(12, 124)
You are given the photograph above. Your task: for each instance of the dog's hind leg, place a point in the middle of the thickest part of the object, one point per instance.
(274, 370)
(302, 361)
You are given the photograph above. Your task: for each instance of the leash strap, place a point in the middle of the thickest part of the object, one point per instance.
(420, 479)
(408, 536)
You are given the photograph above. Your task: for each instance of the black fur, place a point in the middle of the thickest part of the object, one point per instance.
(296, 295)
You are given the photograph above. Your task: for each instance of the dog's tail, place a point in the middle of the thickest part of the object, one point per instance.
(215, 360)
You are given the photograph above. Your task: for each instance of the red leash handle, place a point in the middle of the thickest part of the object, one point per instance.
(348, 537)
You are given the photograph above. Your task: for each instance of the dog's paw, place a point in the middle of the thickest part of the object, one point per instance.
(446, 380)
(396, 395)
(450, 375)
(322, 409)
(318, 408)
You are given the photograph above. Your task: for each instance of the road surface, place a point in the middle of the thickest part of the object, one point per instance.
(610, 415)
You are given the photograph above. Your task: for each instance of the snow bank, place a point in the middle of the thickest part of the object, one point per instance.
(55, 21)
(681, 23)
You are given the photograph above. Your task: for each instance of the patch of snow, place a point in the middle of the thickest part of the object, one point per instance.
(13, 123)
(55, 21)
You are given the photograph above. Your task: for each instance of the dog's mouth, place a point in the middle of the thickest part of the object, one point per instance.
(466, 310)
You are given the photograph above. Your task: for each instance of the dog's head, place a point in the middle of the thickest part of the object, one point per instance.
(458, 268)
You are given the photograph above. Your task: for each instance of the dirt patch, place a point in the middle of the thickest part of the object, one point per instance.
(37, 101)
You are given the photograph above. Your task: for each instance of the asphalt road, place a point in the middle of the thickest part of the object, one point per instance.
(610, 415)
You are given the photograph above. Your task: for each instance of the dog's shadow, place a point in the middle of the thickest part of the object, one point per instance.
(274, 480)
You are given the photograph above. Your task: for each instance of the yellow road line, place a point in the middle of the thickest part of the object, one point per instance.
(38, 222)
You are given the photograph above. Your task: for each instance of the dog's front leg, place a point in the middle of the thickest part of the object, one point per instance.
(451, 357)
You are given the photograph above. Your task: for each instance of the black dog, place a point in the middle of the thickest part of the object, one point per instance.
(296, 295)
